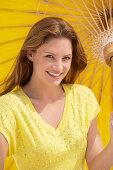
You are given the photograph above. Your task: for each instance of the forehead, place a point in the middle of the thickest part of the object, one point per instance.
(55, 44)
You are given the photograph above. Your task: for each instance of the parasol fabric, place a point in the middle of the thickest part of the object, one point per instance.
(92, 20)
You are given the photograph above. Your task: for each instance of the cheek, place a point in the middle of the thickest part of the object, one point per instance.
(45, 64)
(68, 66)
(42, 65)
(39, 63)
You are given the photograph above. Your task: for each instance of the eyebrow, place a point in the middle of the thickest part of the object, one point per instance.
(55, 54)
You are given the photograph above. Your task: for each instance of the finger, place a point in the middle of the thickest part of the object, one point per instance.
(111, 122)
(111, 117)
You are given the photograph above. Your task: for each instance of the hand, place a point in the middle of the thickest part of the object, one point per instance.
(111, 123)
(111, 130)
(111, 127)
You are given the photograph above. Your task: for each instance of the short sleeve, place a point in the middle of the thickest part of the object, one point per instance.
(8, 123)
(92, 108)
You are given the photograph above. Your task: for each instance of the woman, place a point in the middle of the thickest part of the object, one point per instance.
(50, 123)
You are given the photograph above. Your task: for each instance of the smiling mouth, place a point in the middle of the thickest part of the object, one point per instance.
(54, 75)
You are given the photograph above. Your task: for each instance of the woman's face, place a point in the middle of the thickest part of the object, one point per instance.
(52, 61)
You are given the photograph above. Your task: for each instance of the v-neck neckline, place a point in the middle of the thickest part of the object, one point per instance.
(37, 115)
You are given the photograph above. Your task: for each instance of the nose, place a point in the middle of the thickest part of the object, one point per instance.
(58, 66)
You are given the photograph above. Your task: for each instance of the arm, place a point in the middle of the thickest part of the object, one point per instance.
(3, 150)
(98, 158)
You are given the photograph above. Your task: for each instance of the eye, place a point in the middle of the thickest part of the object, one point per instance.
(49, 56)
(67, 58)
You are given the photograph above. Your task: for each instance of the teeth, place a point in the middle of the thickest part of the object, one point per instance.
(54, 74)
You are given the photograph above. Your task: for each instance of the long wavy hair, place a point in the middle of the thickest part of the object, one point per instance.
(41, 32)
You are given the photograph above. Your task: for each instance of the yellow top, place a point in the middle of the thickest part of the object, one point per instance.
(36, 145)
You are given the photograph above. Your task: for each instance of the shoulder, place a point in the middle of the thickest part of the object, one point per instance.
(78, 89)
(80, 93)
(75, 86)
(9, 99)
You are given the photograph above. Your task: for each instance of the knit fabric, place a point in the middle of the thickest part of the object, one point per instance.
(36, 145)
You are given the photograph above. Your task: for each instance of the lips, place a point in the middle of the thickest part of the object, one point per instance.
(54, 74)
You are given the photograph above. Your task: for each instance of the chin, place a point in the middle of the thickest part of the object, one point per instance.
(55, 83)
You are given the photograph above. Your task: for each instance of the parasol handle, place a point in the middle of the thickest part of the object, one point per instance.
(112, 77)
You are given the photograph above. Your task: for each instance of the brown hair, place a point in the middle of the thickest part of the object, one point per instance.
(42, 31)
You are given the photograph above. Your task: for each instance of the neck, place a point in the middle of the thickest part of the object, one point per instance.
(42, 91)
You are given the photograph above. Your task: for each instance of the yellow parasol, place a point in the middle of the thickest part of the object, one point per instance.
(92, 20)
